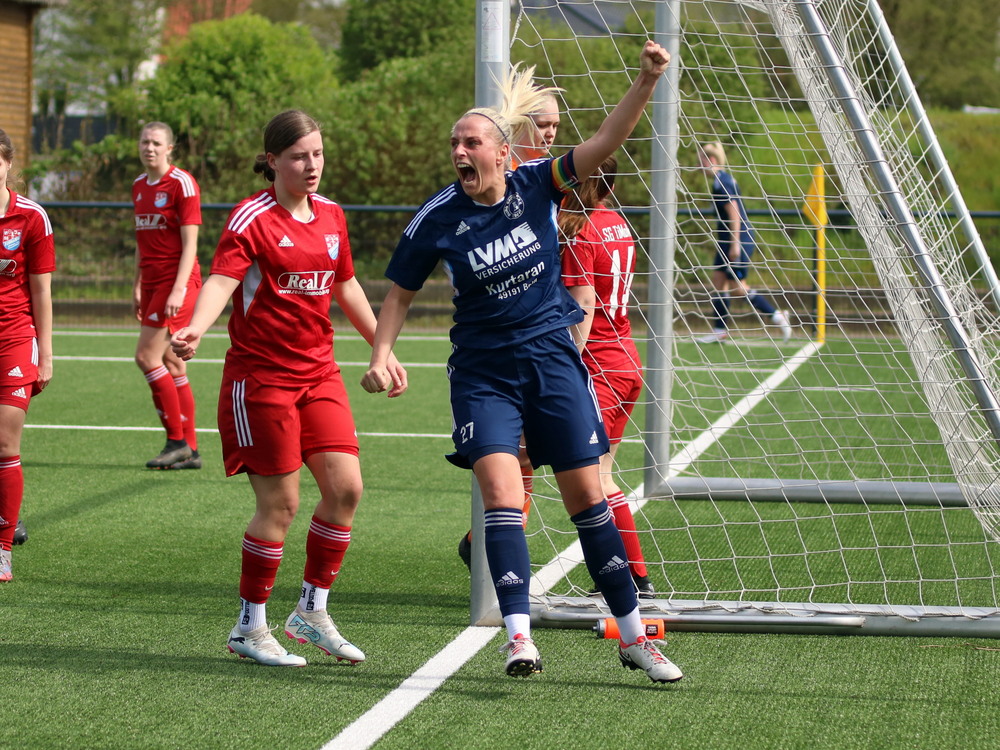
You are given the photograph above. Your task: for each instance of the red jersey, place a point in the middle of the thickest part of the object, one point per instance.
(280, 327)
(161, 209)
(28, 248)
(602, 255)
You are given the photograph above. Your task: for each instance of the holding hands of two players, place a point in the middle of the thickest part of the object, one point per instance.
(392, 377)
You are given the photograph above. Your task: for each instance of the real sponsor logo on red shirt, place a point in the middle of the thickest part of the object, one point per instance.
(8, 267)
(149, 221)
(305, 282)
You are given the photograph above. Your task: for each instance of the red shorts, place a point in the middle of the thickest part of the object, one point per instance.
(153, 305)
(269, 430)
(617, 393)
(18, 372)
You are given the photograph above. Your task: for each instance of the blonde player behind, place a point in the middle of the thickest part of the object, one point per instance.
(167, 205)
(736, 246)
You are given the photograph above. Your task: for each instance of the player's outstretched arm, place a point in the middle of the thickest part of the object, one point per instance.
(353, 301)
(211, 302)
(381, 375)
(618, 125)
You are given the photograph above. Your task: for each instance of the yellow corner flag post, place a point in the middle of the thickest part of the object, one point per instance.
(815, 211)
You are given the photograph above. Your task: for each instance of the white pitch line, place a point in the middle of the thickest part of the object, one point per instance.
(408, 365)
(203, 361)
(213, 430)
(129, 334)
(371, 726)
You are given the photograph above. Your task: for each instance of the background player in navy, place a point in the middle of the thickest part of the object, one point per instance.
(735, 250)
(514, 366)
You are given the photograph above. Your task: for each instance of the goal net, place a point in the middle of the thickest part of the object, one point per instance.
(844, 479)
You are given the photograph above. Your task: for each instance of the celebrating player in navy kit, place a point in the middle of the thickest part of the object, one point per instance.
(735, 250)
(282, 258)
(514, 365)
(27, 260)
(167, 279)
(531, 141)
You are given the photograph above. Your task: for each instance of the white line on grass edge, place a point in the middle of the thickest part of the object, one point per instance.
(372, 725)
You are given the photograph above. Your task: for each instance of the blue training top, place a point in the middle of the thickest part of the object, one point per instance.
(502, 260)
(725, 189)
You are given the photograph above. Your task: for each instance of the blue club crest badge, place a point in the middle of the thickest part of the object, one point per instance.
(160, 200)
(514, 206)
(11, 239)
(332, 245)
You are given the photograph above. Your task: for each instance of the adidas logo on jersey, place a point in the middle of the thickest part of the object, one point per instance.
(15, 373)
(462, 228)
(593, 438)
(285, 242)
(508, 579)
(19, 393)
(615, 563)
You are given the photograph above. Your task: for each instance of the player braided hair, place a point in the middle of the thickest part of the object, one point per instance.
(588, 195)
(7, 153)
(521, 98)
(282, 131)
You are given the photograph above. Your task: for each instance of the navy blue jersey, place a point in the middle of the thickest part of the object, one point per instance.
(724, 189)
(502, 260)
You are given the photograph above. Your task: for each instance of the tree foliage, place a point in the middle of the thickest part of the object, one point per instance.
(951, 49)
(376, 31)
(219, 86)
(386, 135)
(324, 18)
(89, 53)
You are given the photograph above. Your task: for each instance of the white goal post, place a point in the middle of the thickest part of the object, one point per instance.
(845, 480)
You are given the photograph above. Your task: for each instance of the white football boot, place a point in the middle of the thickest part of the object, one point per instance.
(523, 658)
(5, 569)
(717, 336)
(318, 629)
(644, 655)
(780, 319)
(262, 647)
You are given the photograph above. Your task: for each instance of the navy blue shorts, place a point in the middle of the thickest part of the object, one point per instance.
(735, 270)
(540, 388)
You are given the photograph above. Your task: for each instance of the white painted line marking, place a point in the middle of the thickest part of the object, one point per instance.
(369, 728)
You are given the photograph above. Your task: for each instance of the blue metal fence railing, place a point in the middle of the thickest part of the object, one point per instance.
(95, 245)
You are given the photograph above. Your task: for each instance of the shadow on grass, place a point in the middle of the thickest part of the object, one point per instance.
(116, 662)
(85, 504)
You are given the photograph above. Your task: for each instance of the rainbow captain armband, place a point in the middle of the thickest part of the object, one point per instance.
(564, 173)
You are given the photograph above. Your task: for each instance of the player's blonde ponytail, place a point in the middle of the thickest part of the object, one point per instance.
(520, 99)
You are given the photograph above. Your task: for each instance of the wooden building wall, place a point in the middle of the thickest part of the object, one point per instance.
(16, 21)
